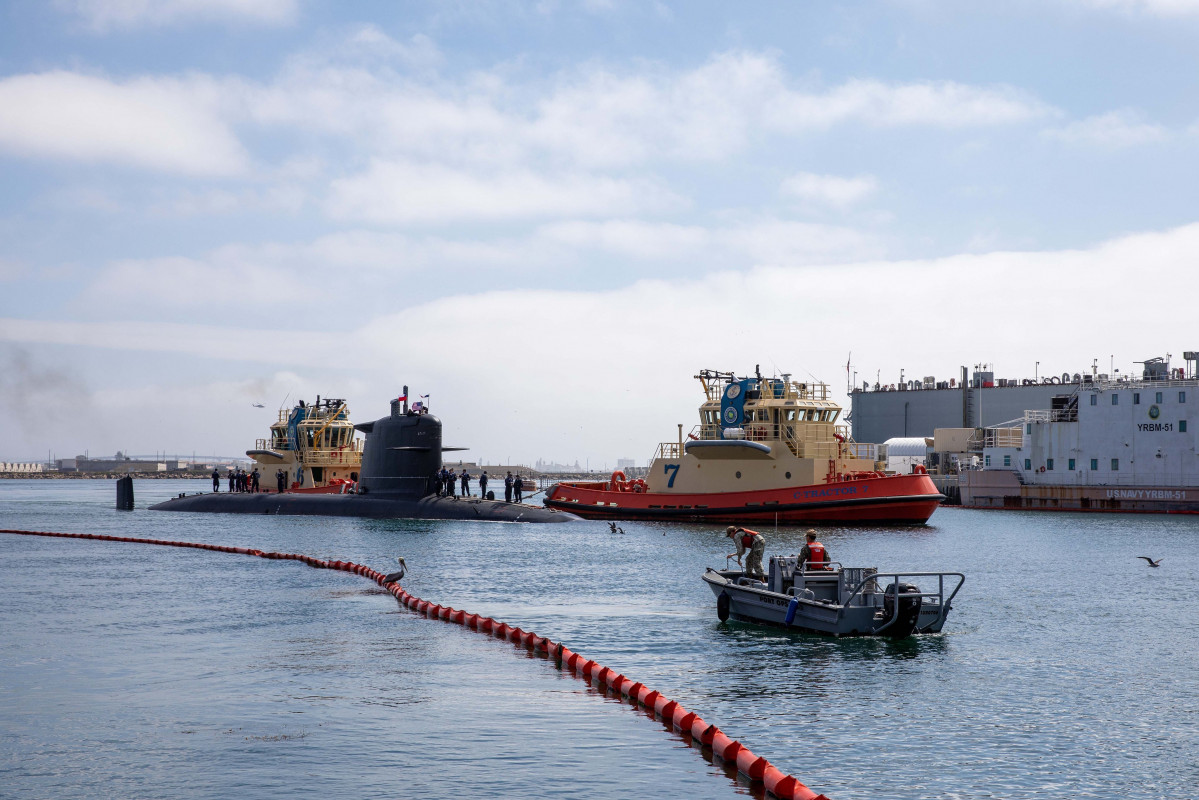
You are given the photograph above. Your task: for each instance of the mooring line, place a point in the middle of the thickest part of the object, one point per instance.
(756, 768)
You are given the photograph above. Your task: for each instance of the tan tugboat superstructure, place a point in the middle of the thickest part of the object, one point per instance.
(767, 449)
(315, 445)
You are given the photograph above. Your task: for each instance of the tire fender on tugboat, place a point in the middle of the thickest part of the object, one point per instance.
(722, 606)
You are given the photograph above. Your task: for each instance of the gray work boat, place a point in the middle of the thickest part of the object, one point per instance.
(835, 600)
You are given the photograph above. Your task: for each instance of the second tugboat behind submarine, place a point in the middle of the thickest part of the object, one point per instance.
(401, 454)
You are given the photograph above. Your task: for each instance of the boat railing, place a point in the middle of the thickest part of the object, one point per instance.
(791, 390)
(825, 568)
(1004, 437)
(348, 455)
(1052, 415)
(668, 450)
(872, 582)
(865, 450)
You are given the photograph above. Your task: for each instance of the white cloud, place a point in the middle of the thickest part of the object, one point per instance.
(756, 242)
(829, 190)
(105, 15)
(158, 123)
(934, 103)
(1115, 129)
(409, 192)
(1160, 8)
(596, 116)
(385, 97)
(204, 341)
(655, 333)
(712, 111)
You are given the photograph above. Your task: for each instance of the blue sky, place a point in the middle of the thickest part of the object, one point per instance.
(549, 215)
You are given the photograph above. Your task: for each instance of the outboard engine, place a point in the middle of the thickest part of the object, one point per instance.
(401, 453)
(909, 609)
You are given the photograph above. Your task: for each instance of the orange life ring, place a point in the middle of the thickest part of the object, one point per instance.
(1042, 469)
(618, 479)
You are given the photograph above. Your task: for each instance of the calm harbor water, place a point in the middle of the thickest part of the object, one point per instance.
(1066, 670)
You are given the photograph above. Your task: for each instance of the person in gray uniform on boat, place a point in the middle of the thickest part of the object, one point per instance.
(752, 541)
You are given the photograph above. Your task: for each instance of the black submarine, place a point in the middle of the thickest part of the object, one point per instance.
(401, 455)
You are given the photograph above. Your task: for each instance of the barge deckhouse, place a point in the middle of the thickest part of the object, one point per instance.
(1126, 445)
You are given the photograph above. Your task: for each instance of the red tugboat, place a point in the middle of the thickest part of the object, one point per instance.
(766, 449)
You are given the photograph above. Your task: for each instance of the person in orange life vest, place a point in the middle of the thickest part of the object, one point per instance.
(814, 552)
(752, 541)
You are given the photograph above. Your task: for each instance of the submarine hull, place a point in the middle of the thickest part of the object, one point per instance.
(374, 507)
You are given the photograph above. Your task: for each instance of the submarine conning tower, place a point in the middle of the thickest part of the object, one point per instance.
(401, 453)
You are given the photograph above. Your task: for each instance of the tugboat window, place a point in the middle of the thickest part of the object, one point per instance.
(1049, 465)
(1115, 399)
(1182, 397)
(1159, 397)
(1182, 426)
(988, 461)
(1094, 463)
(1007, 461)
(789, 474)
(738, 474)
(1028, 463)
(1094, 399)
(1136, 398)
(1071, 464)
(1115, 463)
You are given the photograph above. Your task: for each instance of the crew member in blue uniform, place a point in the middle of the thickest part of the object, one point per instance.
(216, 480)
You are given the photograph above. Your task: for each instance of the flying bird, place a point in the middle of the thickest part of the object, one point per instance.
(1152, 563)
(614, 528)
(258, 405)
